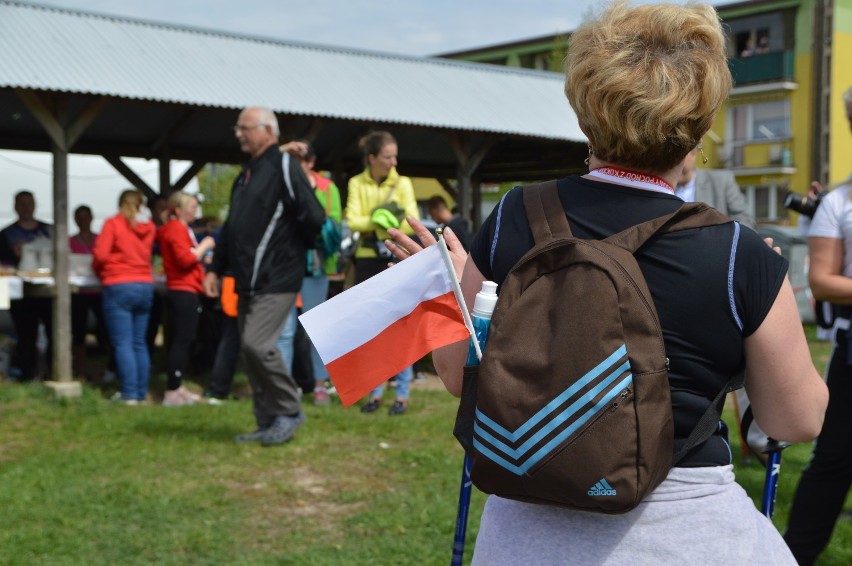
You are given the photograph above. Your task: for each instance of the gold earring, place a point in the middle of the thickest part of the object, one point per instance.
(586, 161)
(701, 151)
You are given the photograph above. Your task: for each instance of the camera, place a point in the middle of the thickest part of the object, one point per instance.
(803, 204)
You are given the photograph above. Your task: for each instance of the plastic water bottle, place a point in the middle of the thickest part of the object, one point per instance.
(483, 308)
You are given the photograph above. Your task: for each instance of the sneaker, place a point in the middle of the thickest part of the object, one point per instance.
(117, 398)
(419, 377)
(250, 436)
(282, 430)
(215, 401)
(398, 408)
(321, 398)
(173, 398)
(372, 406)
(190, 397)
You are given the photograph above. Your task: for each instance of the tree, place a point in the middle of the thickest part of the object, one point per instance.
(214, 182)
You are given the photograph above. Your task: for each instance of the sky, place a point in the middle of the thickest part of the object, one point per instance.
(409, 27)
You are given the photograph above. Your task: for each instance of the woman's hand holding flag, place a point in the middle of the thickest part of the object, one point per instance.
(402, 246)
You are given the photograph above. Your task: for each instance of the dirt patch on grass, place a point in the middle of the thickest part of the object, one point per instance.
(279, 499)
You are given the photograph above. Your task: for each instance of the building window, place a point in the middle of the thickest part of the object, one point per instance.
(766, 202)
(760, 122)
(756, 35)
(752, 42)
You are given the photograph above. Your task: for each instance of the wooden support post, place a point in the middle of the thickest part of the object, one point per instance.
(476, 213)
(131, 176)
(165, 175)
(470, 151)
(62, 370)
(189, 174)
(451, 190)
(52, 115)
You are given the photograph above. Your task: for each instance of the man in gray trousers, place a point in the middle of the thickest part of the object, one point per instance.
(260, 246)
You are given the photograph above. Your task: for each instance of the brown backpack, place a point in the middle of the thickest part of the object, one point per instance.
(572, 405)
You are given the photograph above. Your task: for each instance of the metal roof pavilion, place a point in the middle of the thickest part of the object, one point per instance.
(188, 83)
(81, 82)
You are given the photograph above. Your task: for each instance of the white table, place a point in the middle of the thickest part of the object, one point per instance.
(11, 287)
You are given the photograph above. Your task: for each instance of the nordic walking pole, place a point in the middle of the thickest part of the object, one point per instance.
(773, 472)
(773, 465)
(483, 307)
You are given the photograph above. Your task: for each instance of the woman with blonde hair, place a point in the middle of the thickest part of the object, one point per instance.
(182, 262)
(646, 83)
(380, 198)
(122, 260)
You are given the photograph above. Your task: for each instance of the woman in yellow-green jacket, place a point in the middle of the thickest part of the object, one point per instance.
(378, 199)
(379, 186)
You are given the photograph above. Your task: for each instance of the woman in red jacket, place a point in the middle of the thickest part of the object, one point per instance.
(182, 261)
(121, 258)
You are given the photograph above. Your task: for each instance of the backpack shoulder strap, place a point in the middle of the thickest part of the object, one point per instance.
(689, 215)
(545, 214)
(709, 421)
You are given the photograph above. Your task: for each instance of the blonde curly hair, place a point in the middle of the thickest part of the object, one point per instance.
(646, 82)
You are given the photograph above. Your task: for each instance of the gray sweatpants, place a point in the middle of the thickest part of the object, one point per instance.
(697, 516)
(261, 319)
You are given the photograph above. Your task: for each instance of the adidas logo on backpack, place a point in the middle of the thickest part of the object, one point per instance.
(573, 387)
(602, 488)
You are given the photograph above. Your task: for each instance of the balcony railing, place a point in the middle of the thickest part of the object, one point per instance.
(776, 66)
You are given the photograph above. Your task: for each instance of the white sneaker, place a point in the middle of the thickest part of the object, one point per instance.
(188, 396)
(174, 399)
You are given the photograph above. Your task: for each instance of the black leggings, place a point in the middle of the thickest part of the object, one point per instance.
(184, 308)
(227, 356)
(825, 482)
(81, 306)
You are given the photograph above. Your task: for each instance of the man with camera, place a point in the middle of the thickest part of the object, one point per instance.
(825, 482)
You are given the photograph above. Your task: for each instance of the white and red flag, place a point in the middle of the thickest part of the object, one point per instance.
(374, 330)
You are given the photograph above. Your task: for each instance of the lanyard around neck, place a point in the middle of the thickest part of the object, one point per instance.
(632, 179)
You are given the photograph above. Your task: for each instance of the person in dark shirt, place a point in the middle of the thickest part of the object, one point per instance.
(28, 312)
(440, 213)
(646, 83)
(260, 246)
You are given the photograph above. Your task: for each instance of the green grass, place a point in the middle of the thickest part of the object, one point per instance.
(90, 482)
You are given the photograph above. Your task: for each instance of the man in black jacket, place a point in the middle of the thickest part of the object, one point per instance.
(260, 246)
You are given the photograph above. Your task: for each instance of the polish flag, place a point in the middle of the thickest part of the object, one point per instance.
(374, 330)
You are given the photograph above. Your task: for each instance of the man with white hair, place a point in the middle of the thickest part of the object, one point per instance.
(260, 246)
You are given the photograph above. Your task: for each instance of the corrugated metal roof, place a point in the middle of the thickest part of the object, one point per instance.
(61, 50)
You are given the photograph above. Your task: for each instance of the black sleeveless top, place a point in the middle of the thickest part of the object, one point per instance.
(712, 287)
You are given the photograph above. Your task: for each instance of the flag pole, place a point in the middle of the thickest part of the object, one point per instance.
(448, 263)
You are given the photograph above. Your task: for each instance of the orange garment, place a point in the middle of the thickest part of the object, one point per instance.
(229, 296)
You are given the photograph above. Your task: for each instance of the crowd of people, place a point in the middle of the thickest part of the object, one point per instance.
(156, 274)
(644, 124)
